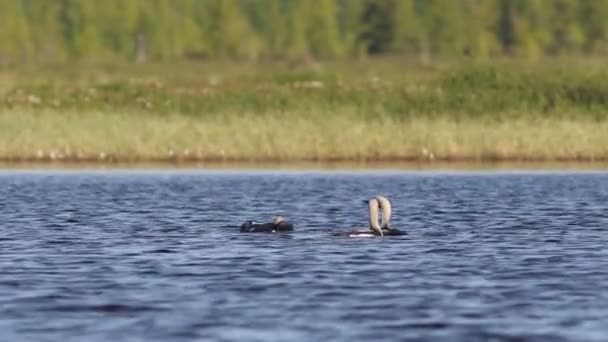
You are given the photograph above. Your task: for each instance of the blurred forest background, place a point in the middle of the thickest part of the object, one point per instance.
(169, 30)
(290, 80)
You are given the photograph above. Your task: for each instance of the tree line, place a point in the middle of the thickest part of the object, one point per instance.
(169, 30)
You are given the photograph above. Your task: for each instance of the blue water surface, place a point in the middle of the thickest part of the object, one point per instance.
(157, 256)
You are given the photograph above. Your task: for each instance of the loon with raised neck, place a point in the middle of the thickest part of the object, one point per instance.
(278, 224)
(384, 227)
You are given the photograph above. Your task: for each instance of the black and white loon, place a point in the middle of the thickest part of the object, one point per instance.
(383, 228)
(278, 224)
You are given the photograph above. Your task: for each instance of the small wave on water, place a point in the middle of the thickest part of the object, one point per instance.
(132, 256)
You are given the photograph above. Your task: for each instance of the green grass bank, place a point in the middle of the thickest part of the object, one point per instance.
(372, 110)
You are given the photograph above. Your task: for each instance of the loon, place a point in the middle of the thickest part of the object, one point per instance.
(383, 228)
(278, 224)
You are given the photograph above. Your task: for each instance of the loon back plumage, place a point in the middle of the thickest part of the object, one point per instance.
(278, 224)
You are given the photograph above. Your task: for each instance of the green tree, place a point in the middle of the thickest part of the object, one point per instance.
(323, 31)
(267, 19)
(117, 22)
(140, 30)
(45, 30)
(350, 28)
(78, 20)
(594, 26)
(482, 18)
(406, 35)
(296, 45)
(15, 44)
(376, 31)
(230, 31)
(567, 33)
(443, 21)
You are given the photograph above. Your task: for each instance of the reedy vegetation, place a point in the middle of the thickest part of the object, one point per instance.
(374, 109)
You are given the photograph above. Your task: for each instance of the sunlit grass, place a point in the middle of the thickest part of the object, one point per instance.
(294, 136)
(387, 109)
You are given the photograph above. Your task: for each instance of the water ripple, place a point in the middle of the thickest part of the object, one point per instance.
(157, 256)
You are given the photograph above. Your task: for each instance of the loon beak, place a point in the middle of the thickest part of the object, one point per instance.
(379, 231)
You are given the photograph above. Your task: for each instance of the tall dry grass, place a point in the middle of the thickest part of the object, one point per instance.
(386, 109)
(299, 136)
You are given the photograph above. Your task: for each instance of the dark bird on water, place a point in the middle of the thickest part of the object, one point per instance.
(278, 224)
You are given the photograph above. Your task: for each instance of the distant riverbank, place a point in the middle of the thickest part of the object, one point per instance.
(364, 112)
(108, 137)
(300, 167)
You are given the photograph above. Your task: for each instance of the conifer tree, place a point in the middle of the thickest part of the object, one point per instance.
(406, 27)
(141, 30)
(15, 44)
(323, 31)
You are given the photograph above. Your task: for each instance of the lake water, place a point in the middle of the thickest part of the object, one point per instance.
(143, 256)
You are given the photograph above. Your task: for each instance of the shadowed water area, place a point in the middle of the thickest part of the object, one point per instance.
(141, 256)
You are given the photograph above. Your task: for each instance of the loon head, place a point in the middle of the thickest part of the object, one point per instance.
(277, 220)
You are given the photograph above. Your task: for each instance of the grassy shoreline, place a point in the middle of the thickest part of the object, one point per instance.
(368, 112)
(103, 137)
(436, 166)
